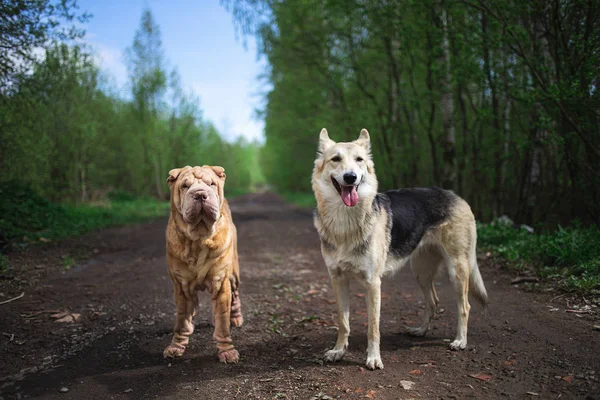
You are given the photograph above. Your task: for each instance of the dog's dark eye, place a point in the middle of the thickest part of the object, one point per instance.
(359, 159)
(213, 184)
(336, 159)
(185, 185)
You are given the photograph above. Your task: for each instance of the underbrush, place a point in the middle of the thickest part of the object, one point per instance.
(27, 217)
(301, 199)
(569, 256)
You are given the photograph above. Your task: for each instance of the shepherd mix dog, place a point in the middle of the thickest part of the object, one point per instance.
(366, 235)
(202, 254)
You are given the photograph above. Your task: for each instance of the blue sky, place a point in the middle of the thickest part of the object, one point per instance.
(199, 39)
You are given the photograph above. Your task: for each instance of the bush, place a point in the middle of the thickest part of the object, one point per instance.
(571, 254)
(26, 216)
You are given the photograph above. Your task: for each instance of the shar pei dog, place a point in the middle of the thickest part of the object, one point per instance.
(202, 254)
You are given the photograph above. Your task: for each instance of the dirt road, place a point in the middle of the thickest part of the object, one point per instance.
(121, 315)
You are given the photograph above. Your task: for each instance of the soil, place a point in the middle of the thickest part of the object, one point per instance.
(120, 311)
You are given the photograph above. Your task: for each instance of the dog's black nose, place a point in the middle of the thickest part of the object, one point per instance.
(349, 178)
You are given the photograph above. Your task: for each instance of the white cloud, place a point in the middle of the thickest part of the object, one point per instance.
(111, 61)
(230, 108)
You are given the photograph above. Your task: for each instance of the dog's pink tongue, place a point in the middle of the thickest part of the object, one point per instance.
(349, 195)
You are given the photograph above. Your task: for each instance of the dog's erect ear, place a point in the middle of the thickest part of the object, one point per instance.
(364, 135)
(324, 141)
(173, 174)
(364, 139)
(220, 171)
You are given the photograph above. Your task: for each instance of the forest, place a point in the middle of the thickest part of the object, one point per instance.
(68, 133)
(495, 100)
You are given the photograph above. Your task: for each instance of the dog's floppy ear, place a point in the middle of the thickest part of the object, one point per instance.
(364, 139)
(324, 141)
(220, 171)
(173, 174)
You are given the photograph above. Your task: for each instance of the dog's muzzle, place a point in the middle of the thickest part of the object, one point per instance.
(200, 203)
(348, 192)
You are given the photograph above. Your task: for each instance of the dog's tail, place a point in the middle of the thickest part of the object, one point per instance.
(476, 285)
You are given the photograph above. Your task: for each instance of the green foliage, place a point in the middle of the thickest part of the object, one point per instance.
(570, 255)
(26, 216)
(66, 135)
(4, 263)
(302, 199)
(495, 100)
(68, 262)
(30, 24)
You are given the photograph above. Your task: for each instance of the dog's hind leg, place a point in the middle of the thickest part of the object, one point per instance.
(425, 265)
(459, 275)
(341, 288)
(184, 327)
(237, 319)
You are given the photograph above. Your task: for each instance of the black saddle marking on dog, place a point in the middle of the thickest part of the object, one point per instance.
(411, 212)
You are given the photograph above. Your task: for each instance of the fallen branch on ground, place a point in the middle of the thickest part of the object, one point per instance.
(13, 299)
(524, 279)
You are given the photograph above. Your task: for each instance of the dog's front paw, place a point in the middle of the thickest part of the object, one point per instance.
(230, 356)
(458, 344)
(334, 355)
(174, 350)
(374, 362)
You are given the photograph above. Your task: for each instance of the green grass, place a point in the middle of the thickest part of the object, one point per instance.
(570, 256)
(68, 262)
(301, 199)
(4, 263)
(231, 193)
(27, 217)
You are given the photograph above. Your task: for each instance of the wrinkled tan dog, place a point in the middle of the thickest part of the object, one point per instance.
(202, 254)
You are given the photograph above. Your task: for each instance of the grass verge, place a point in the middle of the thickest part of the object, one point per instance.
(27, 217)
(300, 199)
(568, 256)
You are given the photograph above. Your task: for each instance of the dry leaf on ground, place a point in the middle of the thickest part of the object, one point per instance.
(481, 377)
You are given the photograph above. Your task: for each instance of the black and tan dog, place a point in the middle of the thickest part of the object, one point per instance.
(202, 254)
(366, 235)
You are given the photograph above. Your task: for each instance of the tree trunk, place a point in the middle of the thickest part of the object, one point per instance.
(83, 183)
(448, 139)
(498, 194)
(507, 72)
(535, 169)
(158, 180)
(465, 132)
(432, 111)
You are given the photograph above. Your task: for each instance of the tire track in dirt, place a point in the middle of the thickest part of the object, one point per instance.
(124, 297)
